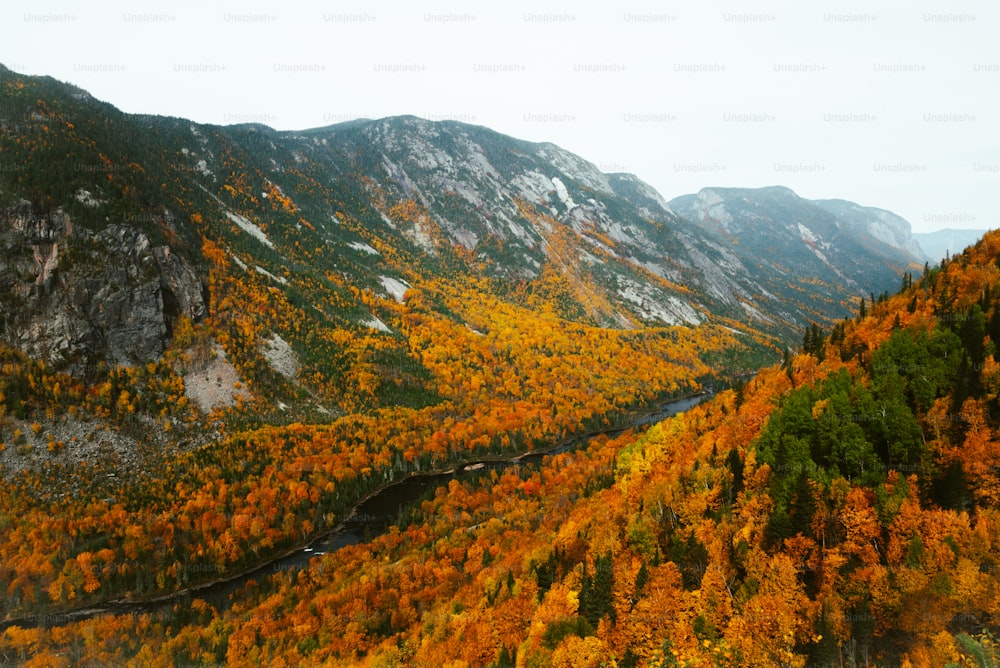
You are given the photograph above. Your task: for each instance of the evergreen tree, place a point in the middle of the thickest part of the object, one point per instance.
(972, 332)
(813, 341)
(825, 652)
(630, 660)
(735, 466)
(984, 654)
(802, 507)
(595, 592)
(951, 489)
(507, 658)
(641, 578)
(837, 334)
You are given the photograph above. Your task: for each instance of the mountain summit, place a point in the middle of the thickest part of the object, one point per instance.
(527, 218)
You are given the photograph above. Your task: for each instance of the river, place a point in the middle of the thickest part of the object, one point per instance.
(371, 517)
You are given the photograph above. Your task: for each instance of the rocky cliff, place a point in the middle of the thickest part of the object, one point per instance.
(75, 298)
(829, 249)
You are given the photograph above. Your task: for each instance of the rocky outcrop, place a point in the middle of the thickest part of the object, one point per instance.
(183, 292)
(878, 224)
(75, 298)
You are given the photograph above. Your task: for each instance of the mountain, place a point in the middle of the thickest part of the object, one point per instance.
(609, 232)
(942, 243)
(867, 223)
(535, 222)
(840, 509)
(216, 341)
(827, 248)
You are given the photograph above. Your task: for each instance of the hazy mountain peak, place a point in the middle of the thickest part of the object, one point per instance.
(880, 224)
(777, 191)
(781, 235)
(947, 242)
(735, 210)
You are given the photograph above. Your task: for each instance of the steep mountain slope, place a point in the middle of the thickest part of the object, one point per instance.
(523, 206)
(539, 223)
(942, 243)
(867, 223)
(843, 509)
(509, 207)
(217, 340)
(791, 245)
(191, 306)
(75, 297)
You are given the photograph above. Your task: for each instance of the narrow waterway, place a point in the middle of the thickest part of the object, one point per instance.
(370, 518)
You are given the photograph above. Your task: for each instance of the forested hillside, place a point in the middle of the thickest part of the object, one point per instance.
(216, 341)
(839, 509)
(200, 371)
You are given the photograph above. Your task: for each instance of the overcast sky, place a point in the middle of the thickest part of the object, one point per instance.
(895, 105)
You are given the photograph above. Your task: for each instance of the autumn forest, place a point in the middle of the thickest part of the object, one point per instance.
(217, 343)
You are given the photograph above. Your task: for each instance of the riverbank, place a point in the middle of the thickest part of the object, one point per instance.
(302, 551)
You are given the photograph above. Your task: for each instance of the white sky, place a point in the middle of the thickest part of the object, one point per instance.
(890, 104)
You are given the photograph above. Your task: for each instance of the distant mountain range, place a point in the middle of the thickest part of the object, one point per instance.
(391, 202)
(948, 242)
(835, 247)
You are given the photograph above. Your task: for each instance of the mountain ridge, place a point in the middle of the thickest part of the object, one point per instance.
(833, 241)
(443, 196)
(939, 244)
(258, 328)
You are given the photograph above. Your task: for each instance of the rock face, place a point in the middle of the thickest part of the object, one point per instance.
(183, 292)
(75, 298)
(878, 224)
(832, 248)
(765, 257)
